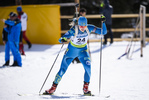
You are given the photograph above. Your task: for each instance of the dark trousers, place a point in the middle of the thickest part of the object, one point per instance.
(109, 34)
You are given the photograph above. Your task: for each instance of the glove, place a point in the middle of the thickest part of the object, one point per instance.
(62, 39)
(102, 4)
(103, 18)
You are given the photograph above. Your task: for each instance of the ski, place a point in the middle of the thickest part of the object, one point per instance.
(84, 94)
(61, 94)
(65, 95)
(4, 67)
(30, 94)
(1, 67)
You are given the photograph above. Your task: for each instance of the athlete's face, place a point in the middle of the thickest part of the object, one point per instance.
(82, 28)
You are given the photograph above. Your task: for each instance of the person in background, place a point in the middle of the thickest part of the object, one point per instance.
(23, 17)
(21, 46)
(5, 40)
(4, 33)
(13, 29)
(77, 47)
(107, 12)
(101, 7)
(82, 12)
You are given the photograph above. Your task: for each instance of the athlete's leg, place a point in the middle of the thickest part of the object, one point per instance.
(70, 54)
(67, 59)
(85, 60)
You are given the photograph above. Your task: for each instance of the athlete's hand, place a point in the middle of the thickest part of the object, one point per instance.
(62, 40)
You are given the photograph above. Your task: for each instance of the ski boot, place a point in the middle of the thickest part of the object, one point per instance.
(51, 90)
(85, 89)
(6, 63)
(15, 64)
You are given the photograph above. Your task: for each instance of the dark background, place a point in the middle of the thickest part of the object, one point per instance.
(92, 7)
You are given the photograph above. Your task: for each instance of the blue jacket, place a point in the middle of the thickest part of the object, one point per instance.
(14, 30)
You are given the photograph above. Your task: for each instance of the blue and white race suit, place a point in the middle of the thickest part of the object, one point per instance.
(77, 47)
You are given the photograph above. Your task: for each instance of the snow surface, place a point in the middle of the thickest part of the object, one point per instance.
(122, 79)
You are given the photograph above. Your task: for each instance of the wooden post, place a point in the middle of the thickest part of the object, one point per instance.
(144, 25)
(142, 28)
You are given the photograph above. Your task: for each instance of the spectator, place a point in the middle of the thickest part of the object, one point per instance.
(4, 33)
(107, 12)
(7, 47)
(21, 46)
(101, 7)
(12, 27)
(82, 12)
(23, 17)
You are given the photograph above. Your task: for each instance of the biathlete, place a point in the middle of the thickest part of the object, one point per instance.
(77, 47)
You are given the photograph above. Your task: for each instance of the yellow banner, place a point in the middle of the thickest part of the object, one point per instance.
(43, 25)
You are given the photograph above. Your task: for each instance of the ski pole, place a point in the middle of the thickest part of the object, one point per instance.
(124, 53)
(74, 21)
(100, 59)
(51, 67)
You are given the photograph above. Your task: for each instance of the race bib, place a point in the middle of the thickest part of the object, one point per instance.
(80, 39)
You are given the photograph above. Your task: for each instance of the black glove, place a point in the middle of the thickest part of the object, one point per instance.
(62, 40)
(103, 18)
